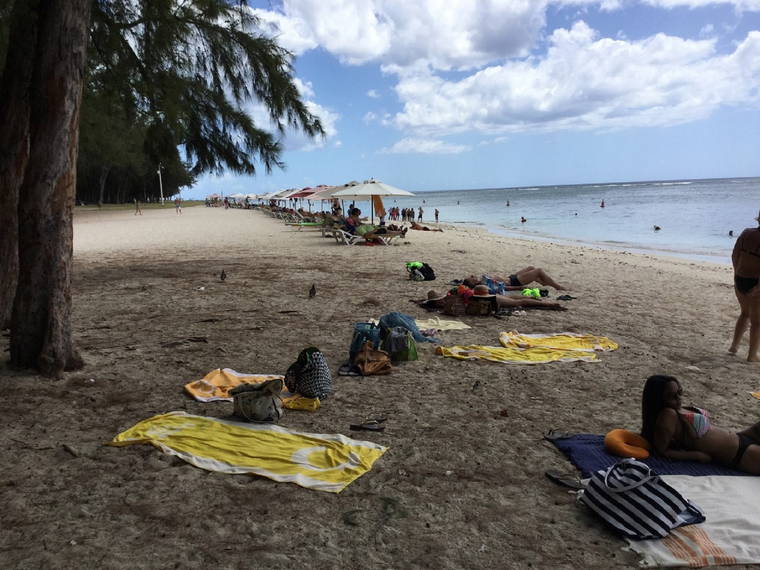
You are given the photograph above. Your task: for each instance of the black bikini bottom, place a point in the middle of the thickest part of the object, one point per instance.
(743, 284)
(744, 442)
(514, 281)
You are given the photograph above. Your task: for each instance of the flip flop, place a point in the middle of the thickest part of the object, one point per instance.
(564, 480)
(369, 425)
(566, 298)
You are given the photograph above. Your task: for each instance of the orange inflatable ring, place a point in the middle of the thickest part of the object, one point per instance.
(626, 444)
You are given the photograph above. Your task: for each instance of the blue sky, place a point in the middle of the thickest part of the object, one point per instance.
(454, 94)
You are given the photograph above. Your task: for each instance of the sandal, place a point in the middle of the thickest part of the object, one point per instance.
(369, 425)
(565, 480)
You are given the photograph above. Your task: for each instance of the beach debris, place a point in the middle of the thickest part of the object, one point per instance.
(657, 228)
(475, 385)
(693, 369)
(201, 288)
(312, 291)
(223, 275)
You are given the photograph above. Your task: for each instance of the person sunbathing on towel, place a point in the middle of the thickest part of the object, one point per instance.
(416, 226)
(436, 300)
(516, 281)
(688, 434)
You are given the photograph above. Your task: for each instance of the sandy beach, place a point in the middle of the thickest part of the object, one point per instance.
(462, 484)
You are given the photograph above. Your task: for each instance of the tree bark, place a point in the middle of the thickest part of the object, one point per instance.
(14, 144)
(41, 334)
(102, 182)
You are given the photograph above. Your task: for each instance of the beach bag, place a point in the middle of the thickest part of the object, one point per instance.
(309, 375)
(363, 332)
(636, 502)
(454, 305)
(420, 271)
(258, 402)
(400, 345)
(481, 305)
(371, 361)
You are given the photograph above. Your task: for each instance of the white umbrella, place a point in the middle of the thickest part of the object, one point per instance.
(369, 189)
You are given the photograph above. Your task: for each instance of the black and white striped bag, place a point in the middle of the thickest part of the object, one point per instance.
(636, 502)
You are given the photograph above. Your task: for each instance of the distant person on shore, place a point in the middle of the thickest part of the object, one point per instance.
(138, 210)
(688, 434)
(522, 219)
(516, 281)
(730, 233)
(226, 203)
(602, 204)
(746, 261)
(436, 215)
(657, 228)
(419, 214)
(507, 203)
(178, 206)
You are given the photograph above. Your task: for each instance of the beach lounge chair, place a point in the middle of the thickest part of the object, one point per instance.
(345, 238)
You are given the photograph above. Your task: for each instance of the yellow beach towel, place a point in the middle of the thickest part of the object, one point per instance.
(534, 348)
(315, 461)
(216, 385)
(441, 324)
(563, 340)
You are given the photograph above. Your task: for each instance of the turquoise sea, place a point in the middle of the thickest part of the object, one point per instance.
(695, 216)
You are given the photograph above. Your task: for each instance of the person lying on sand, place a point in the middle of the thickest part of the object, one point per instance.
(689, 434)
(516, 281)
(416, 226)
(437, 300)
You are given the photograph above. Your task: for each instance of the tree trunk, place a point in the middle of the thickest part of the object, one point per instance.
(102, 182)
(14, 144)
(41, 335)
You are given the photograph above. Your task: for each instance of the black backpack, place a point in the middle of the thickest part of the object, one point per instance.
(423, 273)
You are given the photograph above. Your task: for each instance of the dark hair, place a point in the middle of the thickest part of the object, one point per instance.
(471, 282)
(652, 403)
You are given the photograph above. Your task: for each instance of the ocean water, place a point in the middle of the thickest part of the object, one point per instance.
(695, 216)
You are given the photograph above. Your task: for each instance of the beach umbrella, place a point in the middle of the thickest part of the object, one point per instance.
(369, 189)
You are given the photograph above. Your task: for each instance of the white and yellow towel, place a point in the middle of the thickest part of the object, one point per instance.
(315, 461)
(534, 348)
(216, 386)
(441, 324)
(729, 535)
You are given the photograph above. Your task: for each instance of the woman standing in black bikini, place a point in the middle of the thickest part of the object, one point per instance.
(746, 261)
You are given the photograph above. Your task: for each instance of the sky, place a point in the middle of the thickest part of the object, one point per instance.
(456, 94)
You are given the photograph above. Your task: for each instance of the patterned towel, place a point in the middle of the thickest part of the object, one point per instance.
(315, 461)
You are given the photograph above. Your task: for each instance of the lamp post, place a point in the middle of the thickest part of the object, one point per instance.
(160, 183)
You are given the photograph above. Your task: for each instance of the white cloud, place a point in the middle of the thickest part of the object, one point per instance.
(585, 82)
(424, 146)
(611, 5)
(443, 34)
(373, 94)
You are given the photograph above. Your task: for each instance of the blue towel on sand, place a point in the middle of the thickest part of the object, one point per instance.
(586, 451)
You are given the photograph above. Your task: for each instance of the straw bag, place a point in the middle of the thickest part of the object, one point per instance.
(635, 502)
(371, 361)
(454, 305)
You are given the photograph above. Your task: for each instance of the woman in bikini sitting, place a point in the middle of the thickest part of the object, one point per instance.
(746, 261)
(688, 434)
(518, 280)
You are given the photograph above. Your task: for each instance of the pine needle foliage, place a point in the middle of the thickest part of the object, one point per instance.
(189, 73)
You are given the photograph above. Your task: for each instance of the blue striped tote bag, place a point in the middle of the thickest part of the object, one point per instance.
(636, 502)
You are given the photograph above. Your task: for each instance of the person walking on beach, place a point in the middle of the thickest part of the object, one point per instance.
(178, 206)
(419, 215)
(602, 204)
(138, 211)
(436, 215)
(226, 203)
(746, 261)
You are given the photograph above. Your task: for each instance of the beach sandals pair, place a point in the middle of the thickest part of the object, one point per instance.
(369, 425)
